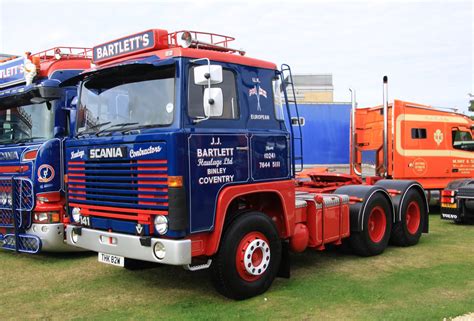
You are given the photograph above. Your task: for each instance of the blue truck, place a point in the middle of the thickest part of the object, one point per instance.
(184, 155)
(34, 121)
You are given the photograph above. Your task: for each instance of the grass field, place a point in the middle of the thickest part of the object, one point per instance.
(430, 281)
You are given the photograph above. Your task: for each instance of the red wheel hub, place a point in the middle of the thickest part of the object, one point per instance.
(253, 256)
(413, 217)
(377, 224)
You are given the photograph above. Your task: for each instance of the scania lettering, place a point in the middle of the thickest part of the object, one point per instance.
(34, 121)
(221, 193)
(106, 153)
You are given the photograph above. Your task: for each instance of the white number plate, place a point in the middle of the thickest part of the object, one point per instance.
(112, 259)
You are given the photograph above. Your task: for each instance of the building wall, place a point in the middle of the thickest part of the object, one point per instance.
(316, 96)
(313, 88)
(326, 132)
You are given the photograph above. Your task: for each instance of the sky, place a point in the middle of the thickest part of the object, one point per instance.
(426, 48)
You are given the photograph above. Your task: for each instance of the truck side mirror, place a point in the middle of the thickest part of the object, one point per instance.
(213, 102)
(208, 75)
(72, 104)
(74, 101)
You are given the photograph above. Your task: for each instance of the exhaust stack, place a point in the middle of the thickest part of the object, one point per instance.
(385, 126)
(353, 134)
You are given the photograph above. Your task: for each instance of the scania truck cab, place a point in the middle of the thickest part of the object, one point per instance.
(182, 156)
(34, 120)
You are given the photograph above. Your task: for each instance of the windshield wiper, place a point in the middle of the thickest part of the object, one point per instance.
(9, 122)
(143, 127)
(90, 130)
(116, 127)
(26, 139)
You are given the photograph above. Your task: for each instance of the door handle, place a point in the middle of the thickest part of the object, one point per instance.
(242, 148)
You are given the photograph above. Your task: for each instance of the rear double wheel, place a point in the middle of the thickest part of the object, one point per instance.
(376, 225)
(407, 231)
(248, 258)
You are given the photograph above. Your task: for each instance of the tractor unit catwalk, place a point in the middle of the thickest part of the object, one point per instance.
(34, 118)
(184, 155)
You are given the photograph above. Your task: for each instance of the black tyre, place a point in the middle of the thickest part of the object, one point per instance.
(408, 231)
(377, 222)
(248, 258)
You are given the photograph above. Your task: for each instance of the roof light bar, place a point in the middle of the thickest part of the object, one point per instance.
(194, 39)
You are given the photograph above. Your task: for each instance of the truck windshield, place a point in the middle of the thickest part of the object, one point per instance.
(142, 97)
(26, 123)
(463, 140)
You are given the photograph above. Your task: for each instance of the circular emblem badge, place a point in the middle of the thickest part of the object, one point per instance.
(419, 166)
(45, 173)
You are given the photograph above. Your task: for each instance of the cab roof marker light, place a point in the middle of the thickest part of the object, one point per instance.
(30, 69)
(57, 53)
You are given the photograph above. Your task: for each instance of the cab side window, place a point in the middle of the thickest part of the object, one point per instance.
(462, 140)
(229, 94)
(418, 133)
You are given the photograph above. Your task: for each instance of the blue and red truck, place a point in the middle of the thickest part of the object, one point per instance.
(183, 155)
(35, 118)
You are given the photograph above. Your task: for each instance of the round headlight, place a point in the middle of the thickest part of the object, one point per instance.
(161, 224)
(159, 250)
(9, 199)
(76, 214)
(74, 236)
(3, 198)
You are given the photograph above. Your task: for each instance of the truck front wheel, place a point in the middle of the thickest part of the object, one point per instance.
(248, 258)
(377, 221)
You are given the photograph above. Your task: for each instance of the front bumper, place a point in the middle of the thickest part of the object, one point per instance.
(52, 237)
(178, 252)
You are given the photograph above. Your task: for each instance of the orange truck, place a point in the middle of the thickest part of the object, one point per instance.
(414, 141)
(409, 141)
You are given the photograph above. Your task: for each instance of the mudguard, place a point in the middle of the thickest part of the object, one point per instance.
(403, 186)
(357, 209)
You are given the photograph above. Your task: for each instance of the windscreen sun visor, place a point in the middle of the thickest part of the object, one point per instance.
(36, 93)
(129, 68)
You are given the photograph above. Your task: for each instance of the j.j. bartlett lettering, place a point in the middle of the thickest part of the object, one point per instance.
(216, 160)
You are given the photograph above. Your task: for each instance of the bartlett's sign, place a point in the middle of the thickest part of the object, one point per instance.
(12, 72)
(125, 46)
